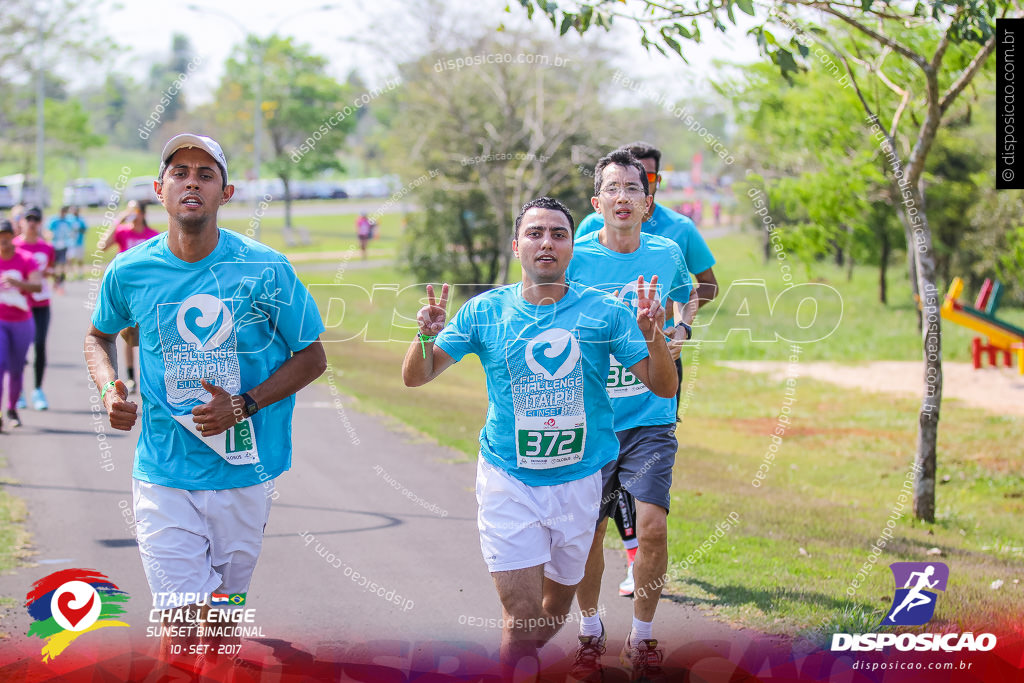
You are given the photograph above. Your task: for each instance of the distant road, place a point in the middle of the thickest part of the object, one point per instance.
(307, 207)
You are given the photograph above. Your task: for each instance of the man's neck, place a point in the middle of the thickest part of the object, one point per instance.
(192, 246)
(542, 294)
(623, 241)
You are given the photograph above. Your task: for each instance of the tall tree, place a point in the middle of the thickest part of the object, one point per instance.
(881, 58)
(39, 40)
(491, 135)
(302, 108)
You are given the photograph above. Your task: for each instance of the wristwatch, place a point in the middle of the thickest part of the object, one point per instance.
(250, 405)
(689, 330)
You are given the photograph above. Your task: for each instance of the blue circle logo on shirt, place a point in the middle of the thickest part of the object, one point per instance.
(558, 359)
(205, 321)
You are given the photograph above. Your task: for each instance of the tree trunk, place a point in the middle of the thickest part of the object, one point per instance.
(911, 257)
(288, 238)
(849, 257)
(466, 232)
(882, 266)
(931, 342)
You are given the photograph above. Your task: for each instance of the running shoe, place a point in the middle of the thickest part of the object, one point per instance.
(130, 385)
(643, 660)
(12, 418)
(39, 400)
(21, 405)
(587, 666)
(627, 585)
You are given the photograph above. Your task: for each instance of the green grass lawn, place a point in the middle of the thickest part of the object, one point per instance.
(836, 479)
(842, 319)
(13, 537)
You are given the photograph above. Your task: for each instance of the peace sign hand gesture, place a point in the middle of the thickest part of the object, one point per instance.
(650, 315)
(431, 317)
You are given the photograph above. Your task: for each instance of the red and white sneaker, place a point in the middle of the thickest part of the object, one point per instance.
(643, 660)
(587, 665)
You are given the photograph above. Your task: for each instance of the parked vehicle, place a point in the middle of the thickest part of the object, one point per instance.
(369, 187)
(140, 190)
(6, 197)
(26, 190)
(89, 192)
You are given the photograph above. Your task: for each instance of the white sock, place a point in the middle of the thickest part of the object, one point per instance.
(590, 626)
(641, 631)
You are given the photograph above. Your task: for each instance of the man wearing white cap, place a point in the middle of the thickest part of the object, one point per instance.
(228, 334)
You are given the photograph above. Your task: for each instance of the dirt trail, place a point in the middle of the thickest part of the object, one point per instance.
(999, 390)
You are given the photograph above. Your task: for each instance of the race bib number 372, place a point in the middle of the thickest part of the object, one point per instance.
(543, 443)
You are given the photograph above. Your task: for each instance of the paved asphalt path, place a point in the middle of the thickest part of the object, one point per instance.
(382, 500)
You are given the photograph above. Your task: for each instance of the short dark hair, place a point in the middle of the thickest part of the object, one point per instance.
(620, 157)
(644, 150)
(6, 226)
(544, 203)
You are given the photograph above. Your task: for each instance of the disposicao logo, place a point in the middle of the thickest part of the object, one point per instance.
(69, 603)
(913, 604)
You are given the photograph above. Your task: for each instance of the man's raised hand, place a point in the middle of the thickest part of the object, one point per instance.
(650, 315)
(431, 317)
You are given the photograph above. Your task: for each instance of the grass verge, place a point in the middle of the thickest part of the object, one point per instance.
(805, 536)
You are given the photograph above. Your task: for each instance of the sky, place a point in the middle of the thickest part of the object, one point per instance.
(366, 37)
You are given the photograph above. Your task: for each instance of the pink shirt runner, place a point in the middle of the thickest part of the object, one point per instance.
(126, 237)
(14, 306)
(45, 256)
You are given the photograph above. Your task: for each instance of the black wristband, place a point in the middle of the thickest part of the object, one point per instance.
(689, 330)
(250, 405)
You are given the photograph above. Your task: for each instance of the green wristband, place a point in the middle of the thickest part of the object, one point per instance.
(423, 342)
(106, 387)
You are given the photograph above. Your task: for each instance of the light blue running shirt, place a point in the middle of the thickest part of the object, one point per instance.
(232, 318)
(549, 419)
(665, 223)
(595, 265)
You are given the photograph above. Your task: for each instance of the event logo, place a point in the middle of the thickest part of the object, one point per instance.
(205, 321)
(914, 602)
(69, 603)
(913, 605)
(562, 353)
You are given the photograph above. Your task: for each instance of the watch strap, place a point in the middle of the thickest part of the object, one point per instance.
(251, 406)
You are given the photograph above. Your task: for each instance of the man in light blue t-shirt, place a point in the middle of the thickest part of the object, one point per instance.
(227, 336)
(663, 222)
(61, 237)
(545, 345)
(667, 223)
(76, 252)
(612, 259)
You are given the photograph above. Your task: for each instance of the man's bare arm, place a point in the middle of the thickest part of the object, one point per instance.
(100, 357)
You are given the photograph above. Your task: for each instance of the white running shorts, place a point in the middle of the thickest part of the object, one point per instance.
(524, 526)
(200, 541)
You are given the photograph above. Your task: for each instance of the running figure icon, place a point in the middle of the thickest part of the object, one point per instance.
(916, 597)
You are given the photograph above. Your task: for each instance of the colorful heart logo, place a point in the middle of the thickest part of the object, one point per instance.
(76, 605)
(72, 614)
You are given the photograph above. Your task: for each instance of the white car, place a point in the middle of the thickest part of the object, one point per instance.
(6, 197)
(141, 190)
(89, 192)
(26, 190)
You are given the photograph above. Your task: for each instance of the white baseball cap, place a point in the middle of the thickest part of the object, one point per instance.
(208, 145)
